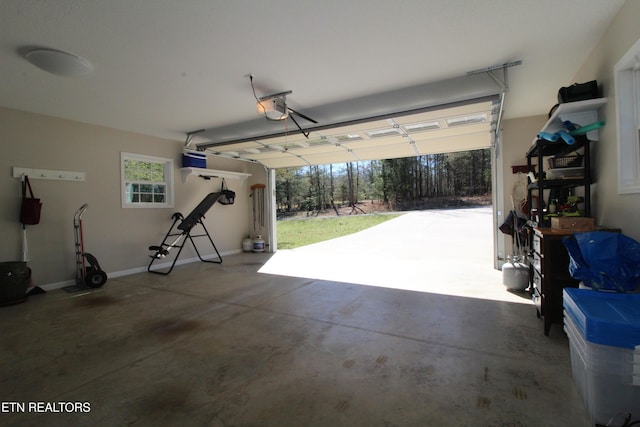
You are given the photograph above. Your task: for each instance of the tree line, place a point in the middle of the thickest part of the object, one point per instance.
(397, 182)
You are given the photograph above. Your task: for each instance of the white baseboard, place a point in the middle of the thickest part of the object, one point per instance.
(136, 270)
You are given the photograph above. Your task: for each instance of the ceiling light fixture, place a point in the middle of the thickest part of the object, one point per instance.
(58, 62)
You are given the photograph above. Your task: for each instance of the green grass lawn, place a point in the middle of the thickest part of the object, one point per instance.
(293, 233)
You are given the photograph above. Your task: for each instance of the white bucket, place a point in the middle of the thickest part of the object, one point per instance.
(247, 245)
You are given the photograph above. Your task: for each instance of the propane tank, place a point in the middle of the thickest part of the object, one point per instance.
(258, 244)
(515, 273)
(247, 244)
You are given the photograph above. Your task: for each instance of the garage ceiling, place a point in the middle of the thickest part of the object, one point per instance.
(164, 68)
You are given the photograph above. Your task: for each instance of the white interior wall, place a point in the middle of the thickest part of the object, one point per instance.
(517, 136)
(118, 237)
(610, 208)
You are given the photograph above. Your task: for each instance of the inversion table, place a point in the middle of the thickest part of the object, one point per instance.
(183, 233)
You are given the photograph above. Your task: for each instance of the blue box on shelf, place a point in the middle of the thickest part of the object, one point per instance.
(607, 318)
(194, 160)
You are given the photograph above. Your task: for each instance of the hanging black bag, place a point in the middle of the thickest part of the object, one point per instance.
(31, 207)
(228, 197)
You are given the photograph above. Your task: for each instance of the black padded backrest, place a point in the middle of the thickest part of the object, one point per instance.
(192, 219)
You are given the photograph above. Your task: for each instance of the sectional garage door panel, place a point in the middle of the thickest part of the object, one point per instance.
(387, 152)
(468, 126)
(455, 143)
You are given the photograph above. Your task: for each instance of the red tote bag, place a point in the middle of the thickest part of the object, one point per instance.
(31, 207)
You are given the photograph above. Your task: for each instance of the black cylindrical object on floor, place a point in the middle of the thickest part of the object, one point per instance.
(14, 282)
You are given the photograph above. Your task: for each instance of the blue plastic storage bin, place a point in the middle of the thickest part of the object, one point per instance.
(603, 330)
(194, 160)
(606, 376)
(607, 318)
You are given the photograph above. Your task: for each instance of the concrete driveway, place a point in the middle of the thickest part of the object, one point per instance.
(443, 251)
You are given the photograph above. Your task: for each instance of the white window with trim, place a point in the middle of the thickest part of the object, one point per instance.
(627, 82)
(147, 181)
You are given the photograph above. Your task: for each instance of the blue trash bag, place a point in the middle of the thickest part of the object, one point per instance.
(604, 260)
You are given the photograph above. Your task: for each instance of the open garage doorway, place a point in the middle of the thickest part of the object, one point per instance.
(455, 127)
(462, 125)
(448, 248)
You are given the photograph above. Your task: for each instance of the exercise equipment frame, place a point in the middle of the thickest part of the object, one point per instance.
(186, 225)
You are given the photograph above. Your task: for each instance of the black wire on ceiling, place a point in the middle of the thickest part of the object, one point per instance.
(253, 89)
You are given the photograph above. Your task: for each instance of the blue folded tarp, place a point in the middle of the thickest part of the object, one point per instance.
(604, 260)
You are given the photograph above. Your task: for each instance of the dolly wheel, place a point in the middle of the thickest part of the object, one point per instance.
(95, 278)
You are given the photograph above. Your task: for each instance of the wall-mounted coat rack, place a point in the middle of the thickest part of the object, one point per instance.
(48, 174)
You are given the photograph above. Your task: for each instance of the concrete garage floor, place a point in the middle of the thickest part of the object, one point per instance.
(225, 345)
(447, 251)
